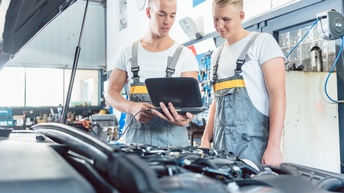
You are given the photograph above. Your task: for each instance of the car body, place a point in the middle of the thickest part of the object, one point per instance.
(54, 157)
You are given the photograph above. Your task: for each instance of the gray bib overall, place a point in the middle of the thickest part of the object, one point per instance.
(239, 127)
(156, 132)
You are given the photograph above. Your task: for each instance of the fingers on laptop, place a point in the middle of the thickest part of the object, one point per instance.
(176, 118)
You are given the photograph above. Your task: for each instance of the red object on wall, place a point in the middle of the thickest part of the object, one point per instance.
(192, 48)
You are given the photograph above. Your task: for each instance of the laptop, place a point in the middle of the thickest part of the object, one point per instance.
(183, 92)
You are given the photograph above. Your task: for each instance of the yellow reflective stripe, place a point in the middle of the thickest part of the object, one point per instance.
(229, 84)
(138, 90)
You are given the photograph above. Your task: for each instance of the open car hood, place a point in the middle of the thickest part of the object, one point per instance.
(21, 20)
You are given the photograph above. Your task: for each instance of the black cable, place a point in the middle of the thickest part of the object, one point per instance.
(92, 130)
(127, 127)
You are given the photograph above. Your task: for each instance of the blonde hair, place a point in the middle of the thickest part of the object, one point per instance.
(150, 2)
(223, 3)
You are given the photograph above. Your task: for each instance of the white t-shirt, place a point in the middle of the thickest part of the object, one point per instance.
(153, 64)
(263, 49)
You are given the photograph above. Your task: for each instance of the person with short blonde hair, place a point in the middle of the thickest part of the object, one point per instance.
(247, 114)
(150, 57)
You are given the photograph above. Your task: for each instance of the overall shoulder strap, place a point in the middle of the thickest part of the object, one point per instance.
(172, 62)
(134, 62)
(241, 60)
(215, 67)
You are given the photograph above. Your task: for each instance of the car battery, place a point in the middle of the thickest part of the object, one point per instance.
(105, 127)
(6, 117)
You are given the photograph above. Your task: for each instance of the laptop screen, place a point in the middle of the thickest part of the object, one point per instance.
(180, 91)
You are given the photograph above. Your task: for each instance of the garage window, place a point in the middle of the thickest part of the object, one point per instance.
(36, 87)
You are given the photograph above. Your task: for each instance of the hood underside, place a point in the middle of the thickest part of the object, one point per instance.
(21, 20)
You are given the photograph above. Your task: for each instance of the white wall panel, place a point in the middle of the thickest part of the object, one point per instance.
(311, 123)
(137, 26)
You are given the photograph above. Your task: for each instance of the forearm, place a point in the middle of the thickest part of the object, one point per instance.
(209, 128)
(276, 117)
(274, 74)
(114, 98)
(117, 101)
(193, 74)
(208, 132)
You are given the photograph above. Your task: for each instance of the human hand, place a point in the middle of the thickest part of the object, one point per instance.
(171, 115)
(86, 123)
(272, 156)
(145, 114)
(205, 144)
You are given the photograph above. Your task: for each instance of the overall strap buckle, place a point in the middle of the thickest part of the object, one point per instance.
(135, 71)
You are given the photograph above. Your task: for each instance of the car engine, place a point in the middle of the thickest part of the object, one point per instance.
(55, 157)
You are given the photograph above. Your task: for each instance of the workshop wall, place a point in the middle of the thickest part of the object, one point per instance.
(137, 23)
(311, 135)
(200, 13)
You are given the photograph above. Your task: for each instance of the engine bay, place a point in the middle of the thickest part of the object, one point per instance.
(55, 157)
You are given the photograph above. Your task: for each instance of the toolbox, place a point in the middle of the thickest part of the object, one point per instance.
(6, 117)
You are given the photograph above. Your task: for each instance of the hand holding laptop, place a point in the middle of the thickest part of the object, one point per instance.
(170, 114)
(141, 111)
(176, 99)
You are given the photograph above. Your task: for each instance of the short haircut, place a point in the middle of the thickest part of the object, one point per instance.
(223, 3)
(150, 2)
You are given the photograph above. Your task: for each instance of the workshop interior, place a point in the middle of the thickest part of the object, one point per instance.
(58, 134)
